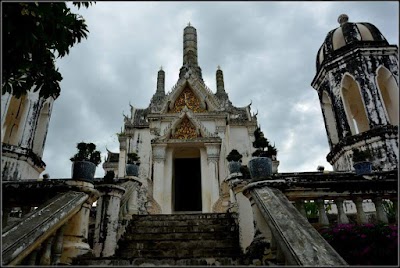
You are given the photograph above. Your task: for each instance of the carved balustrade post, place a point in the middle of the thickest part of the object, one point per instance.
(299, 204)
(32, 257)
(244, 210)
(341, 216)
(45, 259)
(107, 216)
(380, 212)
(322, 217)
(58, 246)
(395, 207)
(361, 217)
(75, 242)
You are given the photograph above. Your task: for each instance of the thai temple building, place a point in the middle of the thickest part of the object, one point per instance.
(184, 205)
(183, 138)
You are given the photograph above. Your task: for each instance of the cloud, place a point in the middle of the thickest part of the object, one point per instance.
(267, 51)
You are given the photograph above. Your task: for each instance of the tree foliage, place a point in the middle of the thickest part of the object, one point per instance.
(35, 33)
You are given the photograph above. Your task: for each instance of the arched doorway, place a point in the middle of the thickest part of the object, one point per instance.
(186, 180)
(354, 105)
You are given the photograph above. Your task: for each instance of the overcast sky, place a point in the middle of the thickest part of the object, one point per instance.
(266, 50)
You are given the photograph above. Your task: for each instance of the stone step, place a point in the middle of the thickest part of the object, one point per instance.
(112, 261)
(194, 216)
(182, 229)
(179, 236)
(180, 222)
(178, 244)
(180, 253)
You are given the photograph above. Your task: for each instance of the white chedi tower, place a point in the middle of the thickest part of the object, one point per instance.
(25, 122)
(358, 88)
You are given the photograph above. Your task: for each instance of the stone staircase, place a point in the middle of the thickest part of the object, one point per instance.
(177, 239)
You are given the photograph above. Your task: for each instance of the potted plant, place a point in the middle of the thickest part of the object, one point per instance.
(235, 159)
(84, 162)
(260, 166)
(132, 164)
(361, 161)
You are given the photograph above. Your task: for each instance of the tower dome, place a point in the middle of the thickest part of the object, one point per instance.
(349, 35)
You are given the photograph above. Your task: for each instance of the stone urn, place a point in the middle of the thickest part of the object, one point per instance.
(83, 170)
(362, 168)
(132, 170)
(234, 166)
(260, 168)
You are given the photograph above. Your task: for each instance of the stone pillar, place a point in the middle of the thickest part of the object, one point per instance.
(159, 152)
(244, 211)
(58, 246)
(299, 204)
(45, 259)
(107, 216)
(322, 217)
(380, 213)
(212, 160)
(341, 217)
(122, 155)
(395, 207)
(31, 259)
(76, 230)
(361, 217)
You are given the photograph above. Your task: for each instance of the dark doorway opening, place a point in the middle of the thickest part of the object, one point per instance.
(187, 184)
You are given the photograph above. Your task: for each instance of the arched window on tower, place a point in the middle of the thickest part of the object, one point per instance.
(389, 91)
(354, 105)
(330, 121)
(41, 130)
(15, 118)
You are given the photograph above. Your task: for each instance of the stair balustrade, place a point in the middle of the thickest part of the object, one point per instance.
(52, 229)
(281, 218)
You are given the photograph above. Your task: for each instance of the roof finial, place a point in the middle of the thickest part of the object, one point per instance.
(343, 18)
(219, 68)
(189, 23)
(161, 68)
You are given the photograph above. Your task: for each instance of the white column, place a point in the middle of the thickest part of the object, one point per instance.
(122, 156)
(341, 218)
(212, 161)
(380, 213)
(322, 217)
(159, 152)
(166, 205)
(107, 215)
(205, 183)
(361, 217)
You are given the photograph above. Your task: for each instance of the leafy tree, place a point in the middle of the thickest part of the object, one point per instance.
(34, 33)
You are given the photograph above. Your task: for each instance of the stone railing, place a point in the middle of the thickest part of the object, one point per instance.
(280, 220)
(52, 226)
(361, 194)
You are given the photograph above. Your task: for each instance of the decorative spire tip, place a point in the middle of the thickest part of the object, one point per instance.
(219, 68)
(189, 23)
(342, 19)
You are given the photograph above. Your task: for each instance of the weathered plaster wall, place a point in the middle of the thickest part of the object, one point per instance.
(15, 170)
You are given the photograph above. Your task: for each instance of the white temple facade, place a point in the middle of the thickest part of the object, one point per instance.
(183, 138)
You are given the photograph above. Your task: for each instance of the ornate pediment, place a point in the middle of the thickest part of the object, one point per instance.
(185, 130)
(190, 100)
(198, 98)
(185, 126)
